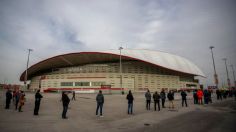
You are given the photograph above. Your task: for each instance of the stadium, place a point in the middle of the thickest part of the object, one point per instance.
(88, 72)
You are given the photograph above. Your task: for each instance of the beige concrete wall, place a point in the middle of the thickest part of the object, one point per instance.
(135, 82)
(136, 76)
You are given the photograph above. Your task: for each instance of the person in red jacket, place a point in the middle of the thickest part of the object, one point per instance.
(199, 95)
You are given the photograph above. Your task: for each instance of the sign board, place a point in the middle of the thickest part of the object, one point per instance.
(212, 87)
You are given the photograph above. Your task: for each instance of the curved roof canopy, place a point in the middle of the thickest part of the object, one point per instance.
(161, 59)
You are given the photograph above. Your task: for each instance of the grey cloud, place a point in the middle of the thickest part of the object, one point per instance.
(185, 28)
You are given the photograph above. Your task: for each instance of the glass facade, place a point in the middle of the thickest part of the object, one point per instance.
(82, 83)
(66, 83)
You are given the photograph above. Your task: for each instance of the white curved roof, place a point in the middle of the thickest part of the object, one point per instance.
(162, 59)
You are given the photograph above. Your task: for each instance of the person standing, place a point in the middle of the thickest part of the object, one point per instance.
(13, 96)
(224, 94)
(21, 101)
(73, 95)
(209, 96)
(17, 99)
(8, 99)
(218, 94)
(38, 97)
(100, 102)
(130, 99)
(195, 98)
(221, 94)
(234, 93)
(199, 95)
(184, 98)
(148, 97)
(170, 97)
(163, 98)
(156, 98)
(65, 102)
(206, 96)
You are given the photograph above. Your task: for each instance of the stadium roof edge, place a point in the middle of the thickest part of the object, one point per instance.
(157, 58)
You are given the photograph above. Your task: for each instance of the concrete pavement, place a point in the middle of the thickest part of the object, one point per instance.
(219, 117)
(82, 114)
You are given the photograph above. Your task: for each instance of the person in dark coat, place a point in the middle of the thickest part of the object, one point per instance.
(184, 98)
(230, 93)
(195, 98)
(218, 94)
(13, 96)
(17, 99)
(170, 97)
(224, 93)
(130, 99)
(65, 101)
(38, 97)
(209, 96)
(221, 94)
(234, 93)
(73, 95)
(148, 97)
(8, 99)
(100, 102)
(206, 96)
(156, 98)
(163, 98)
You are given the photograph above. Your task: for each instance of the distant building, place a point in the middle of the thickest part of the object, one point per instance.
(12, 87)
(92, 71)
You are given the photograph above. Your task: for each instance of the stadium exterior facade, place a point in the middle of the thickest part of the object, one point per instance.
(92, 71)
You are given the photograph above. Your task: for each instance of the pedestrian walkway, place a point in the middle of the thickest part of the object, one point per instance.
(81, 114)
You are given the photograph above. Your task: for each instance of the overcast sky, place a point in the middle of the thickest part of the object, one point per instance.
(51, 27)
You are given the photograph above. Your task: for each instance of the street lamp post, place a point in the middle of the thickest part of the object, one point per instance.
(26, 71)
(215, 75)
(122, 92)
(228, 80)
(233, 75)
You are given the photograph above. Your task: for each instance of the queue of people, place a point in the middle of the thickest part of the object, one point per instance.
(198, 97)
(18, 98)
(205, 96)
(223, 94)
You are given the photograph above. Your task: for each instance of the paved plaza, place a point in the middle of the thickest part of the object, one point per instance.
(82, 116)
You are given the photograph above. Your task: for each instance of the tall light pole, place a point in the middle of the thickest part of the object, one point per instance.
(122, 92)
(228, 80)
(26, 71)
(233, 75)
(215, 75)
